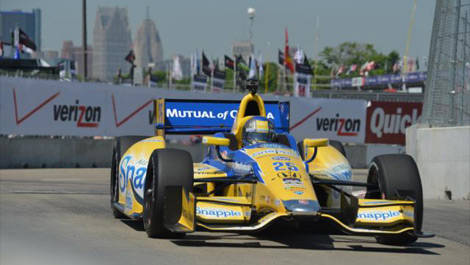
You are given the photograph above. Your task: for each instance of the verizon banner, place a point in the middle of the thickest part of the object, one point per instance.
(336, 119)
(387, 121)
(48, 107)
(44, 107)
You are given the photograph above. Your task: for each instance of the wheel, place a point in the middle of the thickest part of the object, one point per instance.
(339, 146)
(397, 177)
(167, 167)
(114, 183)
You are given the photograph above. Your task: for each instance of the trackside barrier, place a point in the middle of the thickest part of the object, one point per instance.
(443, 158)
(49, 107)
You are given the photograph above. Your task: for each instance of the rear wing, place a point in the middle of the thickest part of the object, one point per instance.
(193, 116)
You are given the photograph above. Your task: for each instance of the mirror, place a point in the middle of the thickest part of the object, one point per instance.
(219, 141)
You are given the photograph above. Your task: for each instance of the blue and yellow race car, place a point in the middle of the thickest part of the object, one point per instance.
(255, 174)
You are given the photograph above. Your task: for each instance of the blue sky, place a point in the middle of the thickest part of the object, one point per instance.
(213, 25)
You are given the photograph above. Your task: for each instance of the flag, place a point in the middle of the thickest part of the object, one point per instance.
(307, 64)
(228, 62)
(351, 69)
(363, 68)
(370, 66)
(287, 59)
(198, 63)
(241, 65)
(1, 49)
(193, 64)
(340, 70)
(260, 65)
(130, 57)
(252, 72)
(299, 56)
(206, 67)
(22, 41)
(176, 73)
(280, 57)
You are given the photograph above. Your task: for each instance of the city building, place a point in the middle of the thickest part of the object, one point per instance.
(49, 56)
(75, 53)
(111, 42)
(243, 48)
(147, 44)
(29, 22)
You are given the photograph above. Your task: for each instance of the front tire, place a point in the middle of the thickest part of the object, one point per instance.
(167, 167)
(397, 177)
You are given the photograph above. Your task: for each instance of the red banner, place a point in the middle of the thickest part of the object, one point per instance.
(387, 121)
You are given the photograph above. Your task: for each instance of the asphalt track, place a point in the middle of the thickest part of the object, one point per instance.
(62, 216)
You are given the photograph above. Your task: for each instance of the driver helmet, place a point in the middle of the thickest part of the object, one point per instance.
(257, 130)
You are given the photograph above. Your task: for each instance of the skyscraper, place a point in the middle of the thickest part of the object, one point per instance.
(75, 53)
(111, 42)
(147, 45)
(29, 22)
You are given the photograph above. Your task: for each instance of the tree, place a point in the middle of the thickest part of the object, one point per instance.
(349, 53)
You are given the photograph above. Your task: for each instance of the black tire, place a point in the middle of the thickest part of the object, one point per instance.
(397, 177)
(167, 167)
(339, 146)
(114, 182)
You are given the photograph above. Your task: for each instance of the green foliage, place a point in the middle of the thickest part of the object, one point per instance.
(349, 53)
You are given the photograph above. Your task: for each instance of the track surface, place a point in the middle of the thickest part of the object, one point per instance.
(62, 216)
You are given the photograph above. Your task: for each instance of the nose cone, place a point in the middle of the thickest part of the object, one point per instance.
(302, 207)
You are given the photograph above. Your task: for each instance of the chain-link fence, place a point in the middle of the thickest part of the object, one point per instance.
(447, 97)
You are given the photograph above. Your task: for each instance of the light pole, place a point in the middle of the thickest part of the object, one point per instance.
(251, 15)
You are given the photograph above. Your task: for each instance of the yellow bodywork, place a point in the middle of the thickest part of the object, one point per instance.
(282, 177)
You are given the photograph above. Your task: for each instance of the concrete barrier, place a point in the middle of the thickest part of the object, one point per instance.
(67, 152)
(73, 152)
(443, 158)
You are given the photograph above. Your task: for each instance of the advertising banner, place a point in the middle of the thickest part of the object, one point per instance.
(387, 121)
(45, 107)
(302, 85)
(197, 116)
(199, 83)
(218, 81)
(336, 119)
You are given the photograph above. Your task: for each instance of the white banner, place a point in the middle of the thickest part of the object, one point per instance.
(43, 107)
(335, 119)
(199, 83)
(47, 107)
(302, 85)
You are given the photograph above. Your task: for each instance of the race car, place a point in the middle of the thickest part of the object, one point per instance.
(255, 174)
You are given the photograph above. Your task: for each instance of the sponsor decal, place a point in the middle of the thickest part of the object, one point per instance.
(27, 115)
(205, 114)
(265, 152)
(295, 185)
(341, 126)
(280, 158)
(217, 212)
(387, 121)
(83, 115)
(134, 171)
(378, 215)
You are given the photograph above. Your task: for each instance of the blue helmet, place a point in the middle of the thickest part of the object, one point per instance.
(257, 130)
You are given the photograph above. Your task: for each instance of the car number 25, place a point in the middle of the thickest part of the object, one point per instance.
(282, 166)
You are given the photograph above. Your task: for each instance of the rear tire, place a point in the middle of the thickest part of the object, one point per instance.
(167, 167)
(397, 177)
